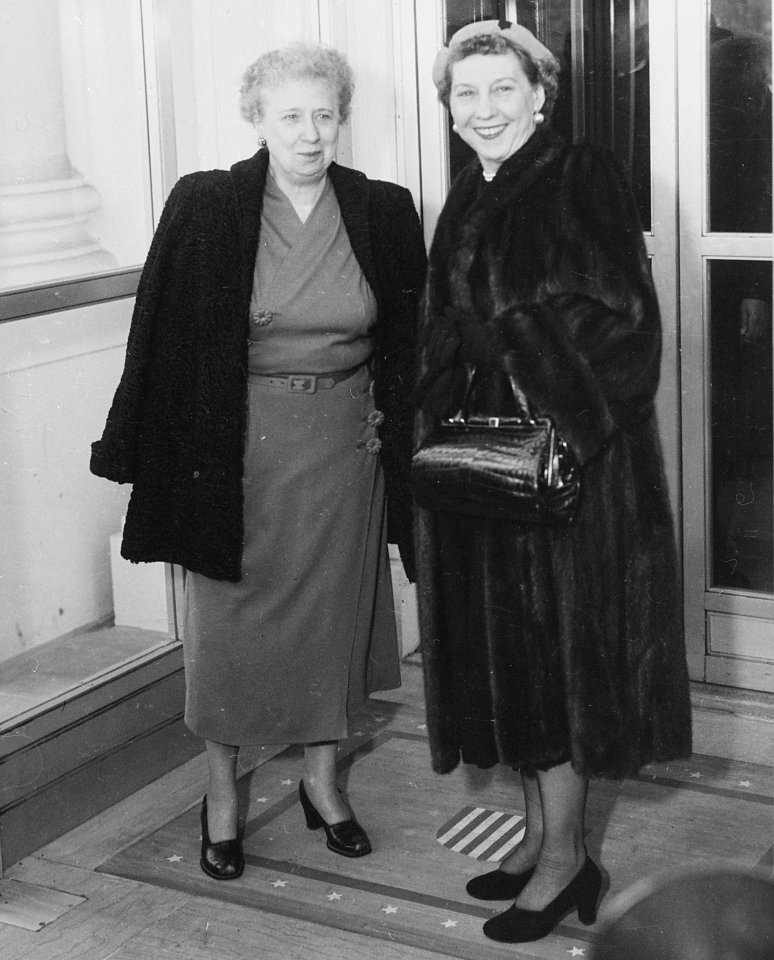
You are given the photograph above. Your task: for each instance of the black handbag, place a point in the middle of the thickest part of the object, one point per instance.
(507, 468)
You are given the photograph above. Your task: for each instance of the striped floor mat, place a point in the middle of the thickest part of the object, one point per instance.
(482, 834)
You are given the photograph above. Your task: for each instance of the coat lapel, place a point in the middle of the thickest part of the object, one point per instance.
(249, 180)
(352, 194)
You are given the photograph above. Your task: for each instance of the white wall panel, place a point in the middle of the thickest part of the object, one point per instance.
(57, 377)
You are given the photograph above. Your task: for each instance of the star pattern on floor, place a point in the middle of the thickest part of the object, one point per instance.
(308, 885)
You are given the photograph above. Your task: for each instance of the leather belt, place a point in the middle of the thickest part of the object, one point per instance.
(303, 382)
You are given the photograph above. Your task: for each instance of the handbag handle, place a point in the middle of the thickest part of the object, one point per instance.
(519, 396)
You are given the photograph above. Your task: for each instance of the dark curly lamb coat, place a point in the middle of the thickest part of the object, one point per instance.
(177, 424)
(546, 644)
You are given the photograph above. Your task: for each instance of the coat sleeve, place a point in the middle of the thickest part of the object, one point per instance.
(114, 455)
(588, 351)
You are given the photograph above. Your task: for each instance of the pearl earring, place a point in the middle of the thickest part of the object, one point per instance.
(455, 128)
(538, 117)
(261, 141)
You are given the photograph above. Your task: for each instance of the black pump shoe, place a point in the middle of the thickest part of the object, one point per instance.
(223, 860)
(521, 926)
(347, 837)
(499, 885)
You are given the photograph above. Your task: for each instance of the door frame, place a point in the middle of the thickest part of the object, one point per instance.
(727, 632)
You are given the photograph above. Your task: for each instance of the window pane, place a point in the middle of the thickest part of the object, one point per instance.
(739, 40)
(74, 178)
(741, 425)
(70, 606)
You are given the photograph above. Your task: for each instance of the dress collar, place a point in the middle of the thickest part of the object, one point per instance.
(352, 193)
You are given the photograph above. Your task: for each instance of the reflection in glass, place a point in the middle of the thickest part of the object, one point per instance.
(604, 84)
(605, 87)
(74, 172)
(741, 424)
(739, 58)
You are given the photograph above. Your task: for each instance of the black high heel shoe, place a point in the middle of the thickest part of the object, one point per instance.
(223, 860)
(347, 837)
(521, 926)
(499, 885)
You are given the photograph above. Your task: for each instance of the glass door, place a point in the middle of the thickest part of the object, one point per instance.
(726, 286)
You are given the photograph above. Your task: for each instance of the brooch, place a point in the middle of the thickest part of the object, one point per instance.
(263, 318)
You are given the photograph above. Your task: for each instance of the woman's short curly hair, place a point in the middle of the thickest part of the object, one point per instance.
(544, 72)
(295, 62)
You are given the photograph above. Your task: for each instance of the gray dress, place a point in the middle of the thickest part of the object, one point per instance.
(290, 653)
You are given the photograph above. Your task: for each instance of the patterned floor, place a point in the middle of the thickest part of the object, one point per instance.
(412, 888)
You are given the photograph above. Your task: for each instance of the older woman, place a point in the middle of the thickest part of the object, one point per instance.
(557, 651)
(264, 422)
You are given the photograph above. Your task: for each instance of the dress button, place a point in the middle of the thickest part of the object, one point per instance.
(262, 318)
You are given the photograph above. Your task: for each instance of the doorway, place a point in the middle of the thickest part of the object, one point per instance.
(647, 81)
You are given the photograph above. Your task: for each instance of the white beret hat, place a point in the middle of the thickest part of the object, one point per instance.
(513, 31)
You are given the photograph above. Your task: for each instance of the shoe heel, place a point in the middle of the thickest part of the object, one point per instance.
(587, 913)
(346, 837)
(313, 819)
(588, 897)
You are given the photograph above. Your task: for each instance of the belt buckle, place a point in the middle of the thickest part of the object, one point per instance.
(305, 384)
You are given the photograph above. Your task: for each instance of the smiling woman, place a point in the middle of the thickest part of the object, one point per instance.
(498, 88)
(494, 106)
(554, 650)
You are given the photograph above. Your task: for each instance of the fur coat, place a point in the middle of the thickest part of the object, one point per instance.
(177, 423)
(543, 644)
